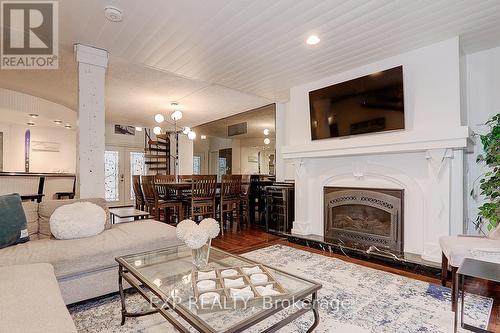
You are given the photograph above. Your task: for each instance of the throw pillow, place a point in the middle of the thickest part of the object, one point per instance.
(77, 220)
(13, 225)
(47, 208)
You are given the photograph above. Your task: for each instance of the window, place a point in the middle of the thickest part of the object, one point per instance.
(222, 166)
(196, 165)
(111, 176)
(137, 167)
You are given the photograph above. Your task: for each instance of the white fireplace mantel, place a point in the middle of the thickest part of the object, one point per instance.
(383, 143)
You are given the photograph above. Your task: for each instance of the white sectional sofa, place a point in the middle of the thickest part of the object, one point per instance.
(86, 267)
(31, 301)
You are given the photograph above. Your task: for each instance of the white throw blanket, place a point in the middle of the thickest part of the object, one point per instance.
(486, 254)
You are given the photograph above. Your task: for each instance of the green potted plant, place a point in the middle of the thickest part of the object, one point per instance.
(489, 182)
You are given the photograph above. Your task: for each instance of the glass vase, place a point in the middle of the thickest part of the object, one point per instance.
(200, 256)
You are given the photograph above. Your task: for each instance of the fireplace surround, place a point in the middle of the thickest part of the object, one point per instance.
(364, 217)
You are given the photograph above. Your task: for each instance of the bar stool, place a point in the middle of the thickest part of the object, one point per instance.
(230, 198)
(153, 201)
(203, 191)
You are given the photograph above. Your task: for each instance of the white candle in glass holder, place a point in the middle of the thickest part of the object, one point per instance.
(209, 298)
(228, 272)
(205, 285)
(258, 278)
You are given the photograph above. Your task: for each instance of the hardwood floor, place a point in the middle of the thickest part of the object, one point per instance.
(245, 240)
(250, 239)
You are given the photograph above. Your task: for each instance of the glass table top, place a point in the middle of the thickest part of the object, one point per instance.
(169, 271)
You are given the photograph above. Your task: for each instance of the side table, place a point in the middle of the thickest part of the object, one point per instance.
(126, 213)
(484, 270)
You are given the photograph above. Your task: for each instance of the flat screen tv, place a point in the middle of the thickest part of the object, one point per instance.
(372, 103)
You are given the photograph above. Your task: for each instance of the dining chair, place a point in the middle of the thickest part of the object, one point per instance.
(165, 192)
(155, 204)
(170, 194)
(139, 196)
(230, 199)
(186, 193)
(245, 198)
(203, 192)
(185, 178)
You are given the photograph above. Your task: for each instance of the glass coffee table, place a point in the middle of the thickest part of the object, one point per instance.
(163, 277)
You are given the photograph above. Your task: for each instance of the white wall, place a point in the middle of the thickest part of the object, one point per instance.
(431, 92)
(131, 141)
(40, 161)
(483, 101)
(185, 155)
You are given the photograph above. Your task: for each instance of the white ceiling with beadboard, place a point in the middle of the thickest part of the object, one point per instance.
(220, 57)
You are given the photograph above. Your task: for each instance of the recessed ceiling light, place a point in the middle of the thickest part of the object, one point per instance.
(29, 123)
(267, 141)
(33, 115)
(68, 126)
(266, 131)
(58, 122)
(203, 136)
(113, 14)
(312, 40)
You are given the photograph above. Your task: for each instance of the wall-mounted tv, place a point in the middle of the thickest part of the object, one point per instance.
(372, 103)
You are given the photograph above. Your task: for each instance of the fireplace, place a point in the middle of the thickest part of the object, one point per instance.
(360, 218)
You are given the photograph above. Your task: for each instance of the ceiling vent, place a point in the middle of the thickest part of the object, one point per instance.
(237, 129)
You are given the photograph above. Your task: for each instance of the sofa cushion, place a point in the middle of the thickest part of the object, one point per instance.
(457, 248)
(13, 225)
(31, 211)
(31, 301)
(46, 208)
(77, 256)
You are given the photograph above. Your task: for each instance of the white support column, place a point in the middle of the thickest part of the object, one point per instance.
(92, 64)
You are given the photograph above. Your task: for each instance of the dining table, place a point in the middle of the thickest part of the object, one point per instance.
(179, 187)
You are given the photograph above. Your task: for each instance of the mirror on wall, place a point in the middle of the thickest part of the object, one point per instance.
(244, 143)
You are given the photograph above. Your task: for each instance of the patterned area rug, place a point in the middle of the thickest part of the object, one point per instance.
(355, 299)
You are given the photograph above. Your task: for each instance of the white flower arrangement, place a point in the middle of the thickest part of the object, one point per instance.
(195, 238)
(211, 226)
(183, 227)
(194, 235)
